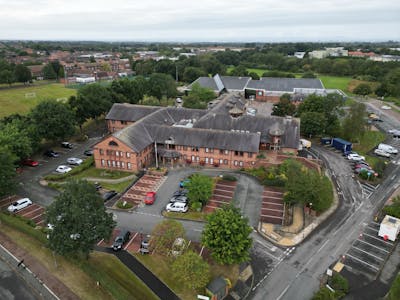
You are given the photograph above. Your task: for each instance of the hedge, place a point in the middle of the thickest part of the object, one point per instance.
(85, 165)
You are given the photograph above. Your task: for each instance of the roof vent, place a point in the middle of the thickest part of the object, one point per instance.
(259, 132)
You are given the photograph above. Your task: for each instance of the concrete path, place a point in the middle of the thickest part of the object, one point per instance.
(112, 181)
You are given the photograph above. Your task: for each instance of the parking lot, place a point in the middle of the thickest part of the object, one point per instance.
(272, 206)
(133, 245)
(369, 252)
(35, 212)
(222, 194)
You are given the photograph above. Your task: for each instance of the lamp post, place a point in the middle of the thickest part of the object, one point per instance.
(310, 205)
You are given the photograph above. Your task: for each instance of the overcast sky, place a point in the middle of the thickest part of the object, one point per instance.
(202, 20)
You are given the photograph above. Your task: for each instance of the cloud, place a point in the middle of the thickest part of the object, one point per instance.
(206, 20)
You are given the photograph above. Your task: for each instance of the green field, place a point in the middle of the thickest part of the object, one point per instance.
(22, 99)
(333, 82)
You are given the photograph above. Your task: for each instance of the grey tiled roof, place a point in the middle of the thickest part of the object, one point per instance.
(234, 82)
(129, 112)
(284, 84)
(206, 82)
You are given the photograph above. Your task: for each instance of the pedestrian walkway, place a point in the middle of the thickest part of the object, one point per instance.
(148, 278)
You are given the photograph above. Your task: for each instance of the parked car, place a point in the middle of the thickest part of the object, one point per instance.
(97, 186)
(63, 169)
(51, 153)
(88, 152)
(386, 107)
(355, 157)
(121, 239)
(74, 161)
(145, 245)
(388, 148)
(150, 198)
(182, 183)
(19, 204)
(29, 162)
(177, 207)
(251, 111)
(181, 192)
(380, 152)
(180, 198)
(362, 165)
(67, 145)
(109, 195)
(359, 170)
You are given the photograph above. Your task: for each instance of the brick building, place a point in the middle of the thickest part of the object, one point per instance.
(191, 136)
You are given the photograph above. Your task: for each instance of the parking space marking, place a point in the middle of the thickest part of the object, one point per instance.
(378, 239)
(361, 261)
(380, 258)
(379, 248)
(37, 217)
(32, 211)
(98, 244)
(374, 229)
(130, 242)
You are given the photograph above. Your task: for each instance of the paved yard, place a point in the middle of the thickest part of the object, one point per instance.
(272, 206)
(35, 212)
(222, 194)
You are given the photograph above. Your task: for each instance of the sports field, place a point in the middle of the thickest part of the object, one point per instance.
(22, 99)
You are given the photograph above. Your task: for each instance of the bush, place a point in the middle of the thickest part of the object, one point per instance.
(120, 204)
(85, 165)
(21, 224)
(196, 205)
(340, 285)
(229, 177)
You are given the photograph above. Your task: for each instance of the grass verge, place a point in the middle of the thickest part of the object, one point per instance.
(191, 215)
(102, 173)
(116, 281)
(118, 187)
(335, 82)
(368, 141)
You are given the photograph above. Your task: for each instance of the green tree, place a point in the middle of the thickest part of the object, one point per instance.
(79, 219)
(54, 120)
(324, 294)
(200, 188)
(362, 89)
(161, 85)
(6, 76)
(285, 107)
(7, 172)
(198, 97)
(164, 235)
(254, 76)
(354, 123)
(16, 138)
(340, 285)
(312, 123)
(394, 292)
(92, 101)
(190, 269)
(192, 73)
(22, 73)
(227, 235)
(239, 71)
(151, 101)
(309, 75)
(48, 72)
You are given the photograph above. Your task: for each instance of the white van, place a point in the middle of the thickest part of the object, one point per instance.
(388, 148)
(177, 207)
(305, 143)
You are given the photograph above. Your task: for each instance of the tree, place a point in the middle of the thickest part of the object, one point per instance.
(254, 76)
(312, 123)
(192, 73)
(164, 235)
(22, 73)
(54, 120)
(309, 75)
(7, 172)
(362, 89)
(190, 269)
(79, 219)
(92, 101)
(227, 235)
(200, 188)
(354, 123)
(285, 107)
(239, 71)
(161, 85)
(150, 100)
(324, 294)
(6, 76)
(16, 138)
(48, 72)
(198, 97)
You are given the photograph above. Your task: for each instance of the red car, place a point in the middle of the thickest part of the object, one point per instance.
(150, 198)
(30, 162)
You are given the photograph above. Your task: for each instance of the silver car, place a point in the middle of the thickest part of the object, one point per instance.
(74, 161)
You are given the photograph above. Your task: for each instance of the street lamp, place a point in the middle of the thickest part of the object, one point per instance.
(310, 205)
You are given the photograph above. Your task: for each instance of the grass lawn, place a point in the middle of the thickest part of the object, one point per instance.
(190, 215)
(160, 266)
(14, 100)
(370, 140)
(119, 187)
(334, 82)
(102, 173)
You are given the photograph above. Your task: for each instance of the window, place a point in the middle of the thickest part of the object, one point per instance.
(235, 163)
(250, 155)
(236, 153)
(118, 164)
(241, 163)
(226, 151)
(184, 148)
(108, 163)
(260, 93)
(112, 143)
(225, 161)
(117, 153)
(195, 149)
(206, 150)
(193, 157)
(113, 121)
(211, 150)
(121, 153)
(102, 162)
(122, 165)
(128, 154)
(241, 153)
(129, 165)
(221, 151)
(206, 160)
(197, 158)
(101, 151)
(211, 161)
(124, 122)
(113, 163)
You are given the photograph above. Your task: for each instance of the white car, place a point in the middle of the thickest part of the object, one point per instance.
(177, 207)
(355, 157)
(63, 169)
(386, 107)
(380, 152)
(74, 161)
(19, 204)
